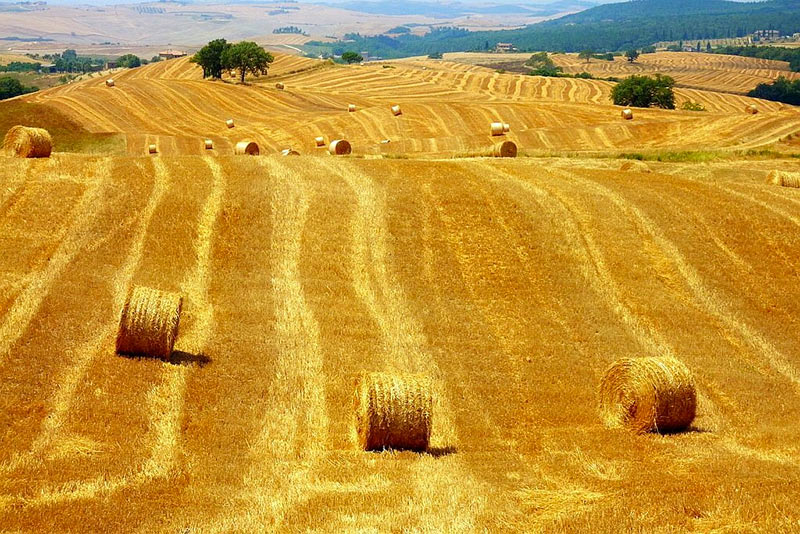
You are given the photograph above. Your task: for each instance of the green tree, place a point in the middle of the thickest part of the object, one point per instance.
(11, 87)
(246, 57)
(210, 58)
(586, 54)
(129, 61)
(650, 49)
(69, 55)
(352, 57)
(435, 55)
(645, 92)
(708, 47)
(155, 59)
(542, 65)
(632, 55)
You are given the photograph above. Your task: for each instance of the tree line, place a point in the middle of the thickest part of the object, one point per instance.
(778, 53)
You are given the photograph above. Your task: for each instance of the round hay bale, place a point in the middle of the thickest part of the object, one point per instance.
(784, 179)
(25, 142)
(319, 141)
(506, 149)
(393, 411)
(752, 109)
(396, 111)
(506, 127)
(246, 148)
(110, 83)
(209, 144)
(340, 147)
(280, 86)
(152, 149)
(627, 114)
(289, 152)
(648, 395)
(351, 108)
(229, 123)
(149, 323)
(497, 128)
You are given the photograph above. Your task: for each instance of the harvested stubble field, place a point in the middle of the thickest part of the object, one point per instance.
(513, 284)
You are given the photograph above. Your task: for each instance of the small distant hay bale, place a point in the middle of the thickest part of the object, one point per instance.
(627, 114)
(634, 166)
(506, 127)
(229, 123)
(26, 142)
(648, 395)
(209, 144)
(110, 82)
(246, 148)
(497, 128)
(784, 179)
(152, 149)
(385, 141)
(393, 411)
(752, 109)
(280, 86)
(351, 108)
(396, 111)
(289, 152)
(340, 147)
(149, 323)
(506, 149)
(319, 141)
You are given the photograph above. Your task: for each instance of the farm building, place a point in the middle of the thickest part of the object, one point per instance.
(171, 54)
(505, 47)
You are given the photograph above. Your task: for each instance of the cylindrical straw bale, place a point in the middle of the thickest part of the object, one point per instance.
(280, 86)
(393, 411)
(209, 144)
(627, 114)
(149, 323)
(497, 128)
(229, 123)
(152, 149)
(289, 152)
(319, 141)
(506, 149)
(506, 127)
(751, 109)
(340, 147)
(648, 395)
(25, 142)
(246, 148)
(351, 107)
(785, 179)
(110, 83)
(396, 111)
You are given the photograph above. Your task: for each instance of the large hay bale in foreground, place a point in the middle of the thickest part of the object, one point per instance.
(648, 395)
(627, 114)
(110, 83)
(784, 179)
(209, 144)
(497, 128)
(149, 323)
(319, 141)
(752, 109)
(340, 147)
(393, 411)
(229, 123)
(351, 108)
(396, 111)
(246, 148)
(25, 142)
(506, 149)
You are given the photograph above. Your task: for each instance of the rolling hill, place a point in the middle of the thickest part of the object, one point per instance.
(513, 284)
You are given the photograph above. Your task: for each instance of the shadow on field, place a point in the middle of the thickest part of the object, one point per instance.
(438, 452)
(180, 357)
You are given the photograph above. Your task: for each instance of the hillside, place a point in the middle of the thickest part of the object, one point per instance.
(513, 284)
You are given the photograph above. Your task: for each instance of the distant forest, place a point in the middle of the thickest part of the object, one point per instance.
(606, 28)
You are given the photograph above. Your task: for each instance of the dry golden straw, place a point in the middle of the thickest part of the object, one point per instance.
(110, 83)
(648, 395)
(627, 114)
(784, 179)
(351, 107)
(280, 86)
(152, 149)
(396, 111)
(506, 149)
(751, 109)
(246, 148)
(149, 323)
(393, 411)
(209, 144)
(340, 147)
(289, 152)
(497, 128)
(25, 142)
(320, 141)
(229, 123)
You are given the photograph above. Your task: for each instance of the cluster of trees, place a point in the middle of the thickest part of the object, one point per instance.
(542, 65)
(778, 53)
(70, 61)
(129, 61)
(781, 90)
(19, 66)
(242, 58)
(645, 92)
(352, 57)
(11, 87)
(289, 29)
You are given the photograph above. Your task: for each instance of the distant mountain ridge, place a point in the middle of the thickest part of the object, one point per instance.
(455, 9)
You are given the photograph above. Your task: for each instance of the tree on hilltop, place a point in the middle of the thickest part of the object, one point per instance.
(246, 57)
(645, 92)
(352, 57)
(210, 58)
(632, 55)
(586, 54)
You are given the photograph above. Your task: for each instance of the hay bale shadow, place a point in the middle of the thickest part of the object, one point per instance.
(180, 357)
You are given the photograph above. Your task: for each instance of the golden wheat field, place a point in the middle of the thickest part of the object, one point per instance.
(509, 284)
